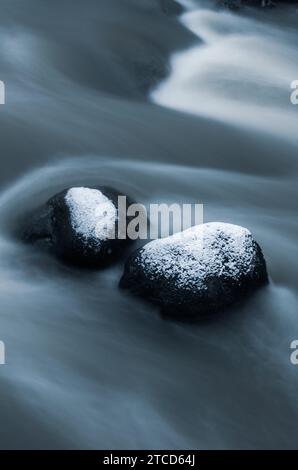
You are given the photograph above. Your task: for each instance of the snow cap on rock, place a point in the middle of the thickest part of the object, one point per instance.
(93, 215)
(197, 272)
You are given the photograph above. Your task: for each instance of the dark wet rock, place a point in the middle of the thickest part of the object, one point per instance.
(197, 272)
(234, 4)
(149, 71)
(124, 51)
(150, 68)
(79, 225)
(171, 7)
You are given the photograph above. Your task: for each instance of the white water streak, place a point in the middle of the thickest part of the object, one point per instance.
(240, 74)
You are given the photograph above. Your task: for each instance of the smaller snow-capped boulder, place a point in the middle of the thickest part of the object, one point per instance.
(79, 225)
(197, 272)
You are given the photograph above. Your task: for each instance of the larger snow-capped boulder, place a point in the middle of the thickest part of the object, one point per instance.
(79, 225)
(197, 272)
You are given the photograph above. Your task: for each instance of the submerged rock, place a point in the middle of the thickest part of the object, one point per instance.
(197, 272)
(79, 225)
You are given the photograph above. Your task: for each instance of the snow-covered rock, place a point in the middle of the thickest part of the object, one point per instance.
(79, 224)
(196, 272)
(93, 215)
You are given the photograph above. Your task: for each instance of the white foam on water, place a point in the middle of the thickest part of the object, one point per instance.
(240, 73)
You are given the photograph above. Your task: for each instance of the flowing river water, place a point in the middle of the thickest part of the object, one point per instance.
(88, 366)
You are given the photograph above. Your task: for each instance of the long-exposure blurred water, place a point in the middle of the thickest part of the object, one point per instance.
(89, 102)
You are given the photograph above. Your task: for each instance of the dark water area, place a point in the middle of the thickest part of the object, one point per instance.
(167, 109)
